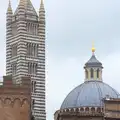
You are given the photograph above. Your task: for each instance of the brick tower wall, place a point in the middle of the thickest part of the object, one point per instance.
(15, 99)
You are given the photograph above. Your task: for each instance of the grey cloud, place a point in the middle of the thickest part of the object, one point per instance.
(78, 22)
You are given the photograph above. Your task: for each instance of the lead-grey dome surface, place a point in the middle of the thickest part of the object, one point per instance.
(93, 62)
(90, 93)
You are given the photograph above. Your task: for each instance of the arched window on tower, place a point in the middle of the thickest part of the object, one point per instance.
(86, 73)
(91, 72)
(98, 73)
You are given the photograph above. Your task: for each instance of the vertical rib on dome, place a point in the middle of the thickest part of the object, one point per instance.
(89, 94)
(93, 62)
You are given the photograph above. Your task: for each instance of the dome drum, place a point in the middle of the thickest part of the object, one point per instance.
(82, 111)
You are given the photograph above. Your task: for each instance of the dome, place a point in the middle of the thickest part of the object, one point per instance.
(89, 94)
(92, 92)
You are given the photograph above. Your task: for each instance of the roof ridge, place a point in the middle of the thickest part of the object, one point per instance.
(29, 8)
(93, 61)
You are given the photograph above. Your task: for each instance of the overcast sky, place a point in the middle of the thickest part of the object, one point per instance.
(71, 27)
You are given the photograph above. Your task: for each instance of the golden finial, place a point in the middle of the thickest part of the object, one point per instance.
(9, 6)
(93, 48)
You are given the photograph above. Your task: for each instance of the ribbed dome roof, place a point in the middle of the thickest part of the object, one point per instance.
(93, 62)
(90, 93)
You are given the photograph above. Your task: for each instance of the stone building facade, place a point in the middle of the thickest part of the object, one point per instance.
(15, 99)
(112, 109)
(25, 50)
(91, 100)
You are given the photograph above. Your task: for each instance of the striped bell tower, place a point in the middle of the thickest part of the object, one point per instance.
(25, 51)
